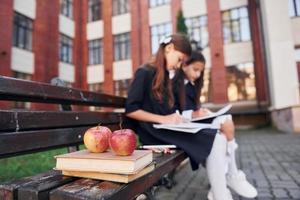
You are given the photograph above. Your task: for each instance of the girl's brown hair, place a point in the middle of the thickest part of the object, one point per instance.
(179, 80)
(162, 84)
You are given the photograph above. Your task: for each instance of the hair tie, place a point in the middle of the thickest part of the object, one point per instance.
(165, 39)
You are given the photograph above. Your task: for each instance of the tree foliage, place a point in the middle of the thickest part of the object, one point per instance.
(180, 25)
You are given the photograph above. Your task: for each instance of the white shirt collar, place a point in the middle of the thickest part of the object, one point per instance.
(187, 81)
(171, 74)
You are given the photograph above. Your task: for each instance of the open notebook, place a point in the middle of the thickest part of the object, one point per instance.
(195, 124)
(222, 111)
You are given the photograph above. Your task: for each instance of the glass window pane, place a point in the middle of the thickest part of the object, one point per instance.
(66, 45)
(207, 88)
(245, 30)
(197, 28)
(158, 31)
(291, 8)
(22, 33)
(226, 16)
(29, 41)
(234, 14)
(203, 21)
(297, 53)
(298, 7)
(236, 31)
(227, 32)
(243, 12)
(204, 37)
(21, 37)
(169, 29)
(66, 8)
(122, 46)
(152, 3)
(241, 82)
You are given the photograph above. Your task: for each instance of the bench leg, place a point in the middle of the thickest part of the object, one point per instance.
(168, 180)
(148, 194)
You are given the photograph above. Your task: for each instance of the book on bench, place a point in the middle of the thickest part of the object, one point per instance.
(106, 162)
(122, 178)
(194, 125)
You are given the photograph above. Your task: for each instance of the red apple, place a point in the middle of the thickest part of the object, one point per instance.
(123, 142)
(96, 139)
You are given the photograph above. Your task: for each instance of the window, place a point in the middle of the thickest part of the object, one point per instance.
(236, 25)
(294, 8)
(95, 87)
(66, 48)
(197, 30)
(122, 47)
(155, 3)
(241, 82)
(94, 10)
(207, 88)
(158, 31)
(21, 104)
(121, 87)
(95, 52)
(120, 7)
(22, 37)
(66, 8)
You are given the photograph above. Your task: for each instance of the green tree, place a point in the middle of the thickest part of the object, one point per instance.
(180, 25)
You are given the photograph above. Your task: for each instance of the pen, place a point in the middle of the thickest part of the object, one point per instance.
(158, 146)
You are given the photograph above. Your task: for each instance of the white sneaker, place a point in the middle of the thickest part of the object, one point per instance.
(210, 195)
(240, 185)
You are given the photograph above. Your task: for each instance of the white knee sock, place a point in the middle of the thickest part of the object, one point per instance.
(231, 147)
(215, 167)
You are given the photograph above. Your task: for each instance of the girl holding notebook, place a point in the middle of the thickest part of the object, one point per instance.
(150, 101)
(189, 82)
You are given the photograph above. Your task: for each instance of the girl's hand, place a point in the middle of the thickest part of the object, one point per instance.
(172, 119)
(202, 112)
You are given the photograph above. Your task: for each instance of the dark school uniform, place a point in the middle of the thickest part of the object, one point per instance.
(197, 146)
(190, 92)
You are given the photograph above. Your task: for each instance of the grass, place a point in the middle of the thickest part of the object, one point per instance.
(27, 165)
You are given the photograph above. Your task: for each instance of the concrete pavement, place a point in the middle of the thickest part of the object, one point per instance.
(271, 160)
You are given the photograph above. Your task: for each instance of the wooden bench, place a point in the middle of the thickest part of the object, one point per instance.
(28, 131)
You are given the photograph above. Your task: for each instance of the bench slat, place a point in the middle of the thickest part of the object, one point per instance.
(29, 120)
(24, 188)
(17, 143)
(22, 90)
(89, 189)
(39, 189)
(27, 141)
(85, 189)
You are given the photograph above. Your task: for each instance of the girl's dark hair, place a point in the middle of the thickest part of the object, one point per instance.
(161, 84)
(180, 76)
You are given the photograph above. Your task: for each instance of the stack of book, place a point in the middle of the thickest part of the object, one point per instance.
(106, 166)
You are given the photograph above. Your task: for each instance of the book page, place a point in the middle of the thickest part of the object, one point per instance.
(214, 114)
(183, 127)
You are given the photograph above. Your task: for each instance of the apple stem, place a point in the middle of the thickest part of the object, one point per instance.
(121, 121)
(98, 126)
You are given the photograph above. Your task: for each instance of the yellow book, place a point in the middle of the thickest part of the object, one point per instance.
(106, 162)
(122, 178)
